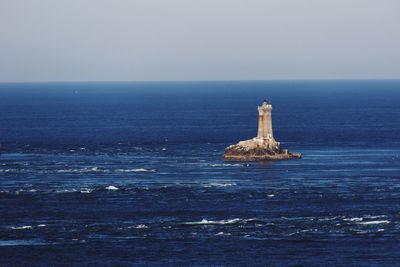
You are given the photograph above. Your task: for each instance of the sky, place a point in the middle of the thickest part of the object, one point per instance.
(159, 40)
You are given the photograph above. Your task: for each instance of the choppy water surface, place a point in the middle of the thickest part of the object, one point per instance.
(136, 176)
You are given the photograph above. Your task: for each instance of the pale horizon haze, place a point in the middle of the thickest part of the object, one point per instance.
(156, 40)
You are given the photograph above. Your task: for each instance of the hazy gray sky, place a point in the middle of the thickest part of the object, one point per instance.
(97, 40)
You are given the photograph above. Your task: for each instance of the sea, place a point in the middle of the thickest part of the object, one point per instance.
(132, 174)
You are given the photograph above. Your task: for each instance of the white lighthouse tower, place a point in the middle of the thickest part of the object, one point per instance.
(265, 125)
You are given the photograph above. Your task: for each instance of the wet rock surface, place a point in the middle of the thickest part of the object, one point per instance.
(258, 150)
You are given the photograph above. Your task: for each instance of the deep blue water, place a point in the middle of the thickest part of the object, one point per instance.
(132, 174)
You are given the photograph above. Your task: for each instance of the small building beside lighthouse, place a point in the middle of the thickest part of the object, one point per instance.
(262, 147)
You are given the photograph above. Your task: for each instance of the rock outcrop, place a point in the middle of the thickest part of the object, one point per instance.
(257, 150)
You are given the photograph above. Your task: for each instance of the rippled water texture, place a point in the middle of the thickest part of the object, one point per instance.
(132, 174)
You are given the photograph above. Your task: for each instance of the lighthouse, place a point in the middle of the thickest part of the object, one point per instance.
(265, 124)
(262, 147)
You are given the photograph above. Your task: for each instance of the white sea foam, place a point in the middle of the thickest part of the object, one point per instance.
(66, 190)
(362, 219)
(67, 170)
(86, 190)
(139, 226)
(82, 170)
(222, 233)
(270, 195)
(374, 222)
(227, 165)
(380, 230)
(41, 225)
(22, 242)
(99, 170)
(205, 221)
(135, 170)
(328, 218)
(375, 216)
(354, 219)
(24, 227)
(216, 184)
(299, 232)
(111, 188)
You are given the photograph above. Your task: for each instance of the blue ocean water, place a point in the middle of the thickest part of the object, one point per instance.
(122, 174)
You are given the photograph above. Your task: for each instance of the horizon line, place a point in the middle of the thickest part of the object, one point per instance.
(212, 80)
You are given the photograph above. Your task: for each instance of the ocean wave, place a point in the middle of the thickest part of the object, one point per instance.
(82, 170)
(328, 218)
(301, 232)
(229, 165)
(9, 170)
(98, 188)
(374, 216)
(380, 230)
(363, 219)
(222, 222)
(86, 190)
(354, 219)
(374, 222)
(136, 170)
(222, 234)
(111, 188)
(19, 242)
(70, 190)
(24, 227)
(19, 191)
(138, 226)
(216, 184)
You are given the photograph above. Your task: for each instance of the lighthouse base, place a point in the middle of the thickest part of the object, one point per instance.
(258, 149)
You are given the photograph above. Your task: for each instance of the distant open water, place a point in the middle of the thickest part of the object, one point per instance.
(132, 174)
